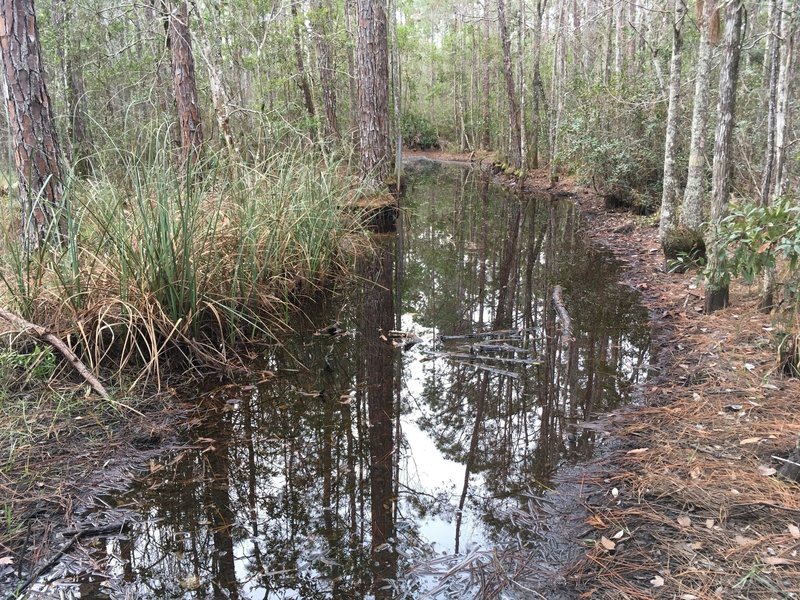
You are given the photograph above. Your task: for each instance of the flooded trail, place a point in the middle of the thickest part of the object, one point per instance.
(405, 447)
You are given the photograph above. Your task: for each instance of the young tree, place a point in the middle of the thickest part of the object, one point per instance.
(716, 296)
(694, 194)
(33, 132)
(669, 200)
(302, 77)
(184, 81)
(515, 132)
(372, 67)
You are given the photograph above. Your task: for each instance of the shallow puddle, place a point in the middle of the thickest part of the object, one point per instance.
(416, 420)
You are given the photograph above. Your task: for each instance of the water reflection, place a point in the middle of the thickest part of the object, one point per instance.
(372, 464)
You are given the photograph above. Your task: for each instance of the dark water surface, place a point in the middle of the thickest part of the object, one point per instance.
(377, 465)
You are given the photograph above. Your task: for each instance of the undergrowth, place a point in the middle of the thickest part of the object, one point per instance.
(158, 261)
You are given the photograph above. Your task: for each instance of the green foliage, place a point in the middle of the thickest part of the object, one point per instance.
(198, 260)
(418, 132)
(38, 364)
(753, 238)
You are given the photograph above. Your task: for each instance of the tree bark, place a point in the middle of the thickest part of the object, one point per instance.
(783, 97)
(515, 141)
(775, 11)
(33, 132)
(486, 81)
(716, 296)
(185, 83)
(302, 77)
(694, 194)
(372, 67)
(669, 199)
(323, 13)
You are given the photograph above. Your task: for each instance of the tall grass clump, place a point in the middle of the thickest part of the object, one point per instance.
(194, 261)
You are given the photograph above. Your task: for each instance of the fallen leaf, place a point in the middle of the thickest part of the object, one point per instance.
(794, 530)
(615, 492)
(684, 521)
(6, 560)
(657, 581)
(709, 523)
(695, 473)
(618, 535)
(688, 597)
(607, 543)
(752, 440)
(776, 560)
(638, 451)
(742, 541)
(766, 470)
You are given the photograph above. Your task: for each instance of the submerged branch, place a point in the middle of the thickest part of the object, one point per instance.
(566, 321)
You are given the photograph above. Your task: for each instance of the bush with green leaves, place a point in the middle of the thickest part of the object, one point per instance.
(418, 132)
(754, 238)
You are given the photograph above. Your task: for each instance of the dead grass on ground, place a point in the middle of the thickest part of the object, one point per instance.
(690, 505)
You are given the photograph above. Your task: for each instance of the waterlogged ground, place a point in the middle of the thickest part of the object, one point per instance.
(406, 444)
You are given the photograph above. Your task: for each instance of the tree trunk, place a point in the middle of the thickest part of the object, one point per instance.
(716, 296)
(351, 71)
(694, 194)
(772, 61)
(302, 77)
(184, 82)
(487, 89)
(327, 68)
(775, 11)
(783, 97)
(212, 57)
(537, 82)
(669, 200)
(33, 132)
(372, 67)
(515, 138)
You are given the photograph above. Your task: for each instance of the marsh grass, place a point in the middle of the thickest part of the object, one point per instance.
(193, 263)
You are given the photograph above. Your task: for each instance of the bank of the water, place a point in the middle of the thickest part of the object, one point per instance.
(689, 504)
(505, 301)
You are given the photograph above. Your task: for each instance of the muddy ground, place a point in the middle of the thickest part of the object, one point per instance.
(687, 504)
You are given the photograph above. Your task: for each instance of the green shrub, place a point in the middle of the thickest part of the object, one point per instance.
(418, 132)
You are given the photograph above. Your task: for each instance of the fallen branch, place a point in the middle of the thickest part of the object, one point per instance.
(566, 322)
(74, 535)
(59, 345)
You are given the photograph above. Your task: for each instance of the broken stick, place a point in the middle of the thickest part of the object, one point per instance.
(566, 322)
(59, 345)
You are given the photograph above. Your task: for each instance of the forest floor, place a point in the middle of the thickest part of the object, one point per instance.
(688, 503)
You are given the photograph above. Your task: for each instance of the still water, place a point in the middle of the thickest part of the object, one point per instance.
(405, 446)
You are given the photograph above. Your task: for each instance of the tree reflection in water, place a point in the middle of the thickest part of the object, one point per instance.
(361, 462)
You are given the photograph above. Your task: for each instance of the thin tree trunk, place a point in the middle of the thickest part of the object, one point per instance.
(782, 123)
(327, 68)
(487, 90)
(694, 194)
(515, 138)
(372, 64)
(33, 131)
(212, 57)
(352, 79)
(669, 199)
(302, 77)
(773, 61)
(537, 82)
(185, 82)
(716, 296)
(775, 11)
